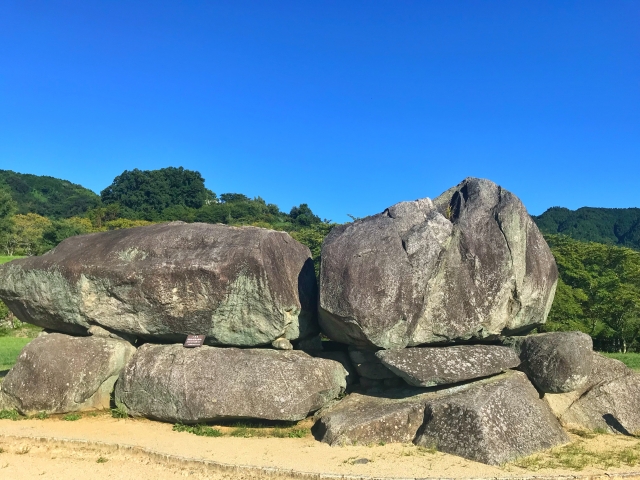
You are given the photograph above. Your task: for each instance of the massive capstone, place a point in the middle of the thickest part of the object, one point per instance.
(239, 286)
(176, 384)
(470, 264)
(58, 373)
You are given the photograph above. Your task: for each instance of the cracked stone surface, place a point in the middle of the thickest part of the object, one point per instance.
(470, 264)
(176, 384)
(366, 419)
(430, 366)
(494, 421)
(240, 286)
(555, 362)
(609, 400)
(59, 373)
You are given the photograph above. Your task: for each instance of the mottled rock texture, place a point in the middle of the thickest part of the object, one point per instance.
(557, 361)
(363, 419)
(242, 286)
(59, 373)
(368, 365)
(494, 421)
(470, 264)
(610, 399)
(343, 359)
(176, 384)
(427, 367)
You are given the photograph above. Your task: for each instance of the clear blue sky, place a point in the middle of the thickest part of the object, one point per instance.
(349, 106)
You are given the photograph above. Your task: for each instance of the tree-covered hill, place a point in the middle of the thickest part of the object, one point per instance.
(598, 292)
(48, 196)
(616, 226)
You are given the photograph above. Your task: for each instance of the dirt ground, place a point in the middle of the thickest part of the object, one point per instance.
(87, 449)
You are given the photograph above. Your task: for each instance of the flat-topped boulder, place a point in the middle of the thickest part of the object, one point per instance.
(58, 373)
(469, 264)
(430, 366)
(556, 361)
(239, 286)
(176, 384)
(493, 421)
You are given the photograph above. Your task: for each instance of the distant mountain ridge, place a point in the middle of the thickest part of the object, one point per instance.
(57, 199)
(616, 226)
(48, 196)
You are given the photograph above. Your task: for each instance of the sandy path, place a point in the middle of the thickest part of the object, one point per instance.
(29, 459)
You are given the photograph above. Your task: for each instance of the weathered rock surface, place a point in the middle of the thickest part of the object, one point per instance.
(427, 367)
(369, 366)
(608, 400)
(365, 419)
(470, 264)
(343, 359)
(242, 286)
(556, 361)
(59, 373)
(176, 384)
(494, 421)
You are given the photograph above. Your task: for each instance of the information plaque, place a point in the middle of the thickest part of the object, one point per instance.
(194, 341)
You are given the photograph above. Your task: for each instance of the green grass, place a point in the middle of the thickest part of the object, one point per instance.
(120, 412)
(246, 430)
(10, 415)
(5, 259)
(72, 417)
(200, 430)
(576, 456)
(10, 348)
(631, 360)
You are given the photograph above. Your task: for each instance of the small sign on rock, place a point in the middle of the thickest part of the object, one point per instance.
(194, 341)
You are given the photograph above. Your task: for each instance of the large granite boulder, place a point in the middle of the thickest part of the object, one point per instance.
(176, 384)
(59, 373)
(494, 421)
(470, 264)
(430, 366)
(609, 400)
(241, 286)
(557, 361)
(364, 419)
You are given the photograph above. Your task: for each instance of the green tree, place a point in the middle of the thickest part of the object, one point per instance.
(7, 208)
(598, 291)
(145, 194)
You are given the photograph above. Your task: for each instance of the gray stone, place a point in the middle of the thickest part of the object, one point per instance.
(470, 264)
(368, 365)
(365, 419)
(609, 399)
(310, 344)
(343, 359)
(96, 331)
(430, 366)
(59, 373)
(282, 344)
(176, 384)
(242, 286)
(492, 421)
(557, 361)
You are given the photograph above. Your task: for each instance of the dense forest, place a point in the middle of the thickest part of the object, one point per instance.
(616, 226)
(598, 292)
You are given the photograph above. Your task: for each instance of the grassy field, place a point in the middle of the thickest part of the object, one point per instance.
(631, 360)
(5, 259)
(10, 348)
